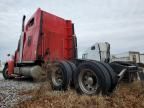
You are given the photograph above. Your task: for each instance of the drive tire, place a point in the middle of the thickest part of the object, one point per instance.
(66, 76)
(102, 79)
(73, 68)
(108, 80)
(113, 76)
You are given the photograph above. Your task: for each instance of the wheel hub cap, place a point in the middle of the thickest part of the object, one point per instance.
(88, 81)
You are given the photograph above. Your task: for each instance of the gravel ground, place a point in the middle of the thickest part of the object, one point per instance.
(10, 91)
(28, 94)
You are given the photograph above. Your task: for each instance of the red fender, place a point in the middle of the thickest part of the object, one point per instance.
(10, 67)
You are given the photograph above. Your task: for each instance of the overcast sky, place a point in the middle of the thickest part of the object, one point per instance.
(119, 22)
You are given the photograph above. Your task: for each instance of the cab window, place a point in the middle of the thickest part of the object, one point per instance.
(93, 48)
(30, 23)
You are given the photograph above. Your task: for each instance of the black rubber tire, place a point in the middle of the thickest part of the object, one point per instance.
(108, 80)
(67, 74)
(5, 74)
(113, 76)
(73, 68)
(103, 80)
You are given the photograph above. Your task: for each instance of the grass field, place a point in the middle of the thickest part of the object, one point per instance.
(125, 96)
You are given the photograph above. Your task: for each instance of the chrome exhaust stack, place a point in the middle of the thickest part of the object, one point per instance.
(21, 39)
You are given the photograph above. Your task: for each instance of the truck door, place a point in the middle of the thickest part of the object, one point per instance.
(31, 38)
(28, 50)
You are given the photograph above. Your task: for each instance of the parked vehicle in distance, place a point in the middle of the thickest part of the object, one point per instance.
(99, 51)
(131, 56)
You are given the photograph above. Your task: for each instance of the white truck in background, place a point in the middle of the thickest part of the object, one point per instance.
(99, 51)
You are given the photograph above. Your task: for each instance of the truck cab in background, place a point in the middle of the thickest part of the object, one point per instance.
(99, 51)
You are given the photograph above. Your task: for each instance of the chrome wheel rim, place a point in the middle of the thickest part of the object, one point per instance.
(88, 81)
(57, 77)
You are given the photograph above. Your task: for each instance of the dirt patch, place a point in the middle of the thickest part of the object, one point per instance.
(126, 96)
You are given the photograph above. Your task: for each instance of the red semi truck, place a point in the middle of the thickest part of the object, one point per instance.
(47, 38)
